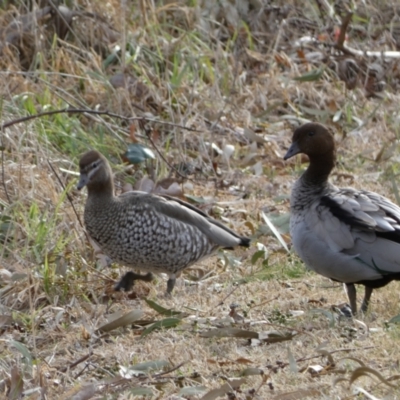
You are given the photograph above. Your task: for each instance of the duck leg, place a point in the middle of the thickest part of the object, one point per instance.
(171, 284)
(367, 297)
(127, 281)
(352, 295)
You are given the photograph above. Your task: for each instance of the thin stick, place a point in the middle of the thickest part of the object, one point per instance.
(223, 300)
(169, 371)
(75, 363)
(88, 111)
(68, 197)
(3, 175)
(162, 156)
(343, 29)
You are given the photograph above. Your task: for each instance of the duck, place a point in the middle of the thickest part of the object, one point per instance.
(349, 235)
(152, 233)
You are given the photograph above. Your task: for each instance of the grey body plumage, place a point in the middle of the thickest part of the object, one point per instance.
(348, 235)
(147, 232)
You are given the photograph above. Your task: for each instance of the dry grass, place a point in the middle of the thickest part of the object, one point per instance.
(227, 72)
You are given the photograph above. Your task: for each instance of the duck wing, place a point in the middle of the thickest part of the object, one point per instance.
(365, 211)
(365, 225)
(184, 212)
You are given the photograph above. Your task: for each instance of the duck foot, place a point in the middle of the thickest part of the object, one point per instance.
(345, 310)
(127, 281)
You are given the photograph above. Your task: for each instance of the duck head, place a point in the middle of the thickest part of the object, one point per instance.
(312, 139)
(95, 171)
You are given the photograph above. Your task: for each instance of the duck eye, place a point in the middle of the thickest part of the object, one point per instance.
(94, 165)
(311, 133)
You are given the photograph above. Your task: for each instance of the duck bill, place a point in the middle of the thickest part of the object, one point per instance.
(83, 181)
(293, 150)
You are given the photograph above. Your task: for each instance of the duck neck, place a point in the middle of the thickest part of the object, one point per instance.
(103, 191)
(318, 171)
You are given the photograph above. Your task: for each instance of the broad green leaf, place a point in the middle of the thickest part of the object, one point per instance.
(160, 309)
(5, 226)
(311, 76)
(192, 390)
(395, 320)
(126, 319)
(251, 371)
(257, 255)
(150, 365)
(24, 351)
(197, 199)
(166, 323)
(141, 391)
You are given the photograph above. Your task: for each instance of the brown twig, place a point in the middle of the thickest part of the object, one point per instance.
(334, 351)
(75, 363)
(88, 111)
(3, 175)
(342, 35)
(223, 300)
(68, 196)
(359, 53)
(170, 370)
(263, 303)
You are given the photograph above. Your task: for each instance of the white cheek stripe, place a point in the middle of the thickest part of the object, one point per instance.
(93, 171)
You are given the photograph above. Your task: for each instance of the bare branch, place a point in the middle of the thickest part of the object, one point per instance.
(88, 111)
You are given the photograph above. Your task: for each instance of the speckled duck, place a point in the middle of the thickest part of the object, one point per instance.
(147, 232)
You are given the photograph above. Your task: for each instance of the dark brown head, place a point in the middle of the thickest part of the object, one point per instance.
(312, 139)
(95, 171)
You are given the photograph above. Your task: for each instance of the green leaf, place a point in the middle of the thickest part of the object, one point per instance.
(161, 310)
(311, 76)
(111, 59)
(395, 320)
(163, 324)
(24, 351)
(124, 320)
(149, 365)
(197, 199)
(141, 391)
(137, 153)
(251, 371)
(192, 390)
(257, 255)
(5, 226)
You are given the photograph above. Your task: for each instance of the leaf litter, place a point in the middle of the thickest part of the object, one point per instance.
(263, 69)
